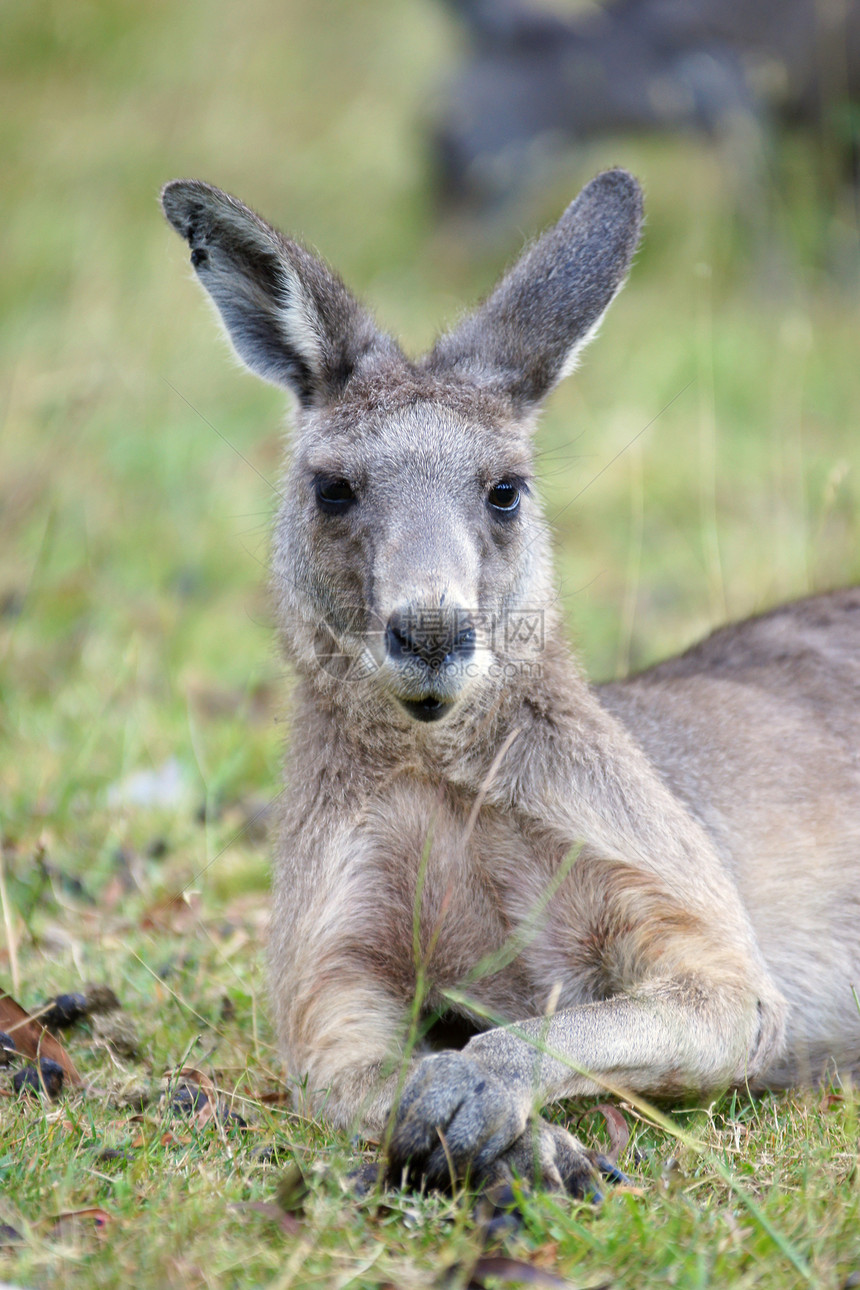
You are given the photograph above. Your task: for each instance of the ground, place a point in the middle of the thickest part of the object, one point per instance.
(703, 464)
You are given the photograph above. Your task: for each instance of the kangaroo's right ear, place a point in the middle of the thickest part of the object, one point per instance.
(290, 319)
(528, 333)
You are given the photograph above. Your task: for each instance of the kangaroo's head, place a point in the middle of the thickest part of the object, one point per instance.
(410, 558)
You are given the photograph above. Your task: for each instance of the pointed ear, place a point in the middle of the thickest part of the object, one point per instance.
(529, 332)
(290, 319)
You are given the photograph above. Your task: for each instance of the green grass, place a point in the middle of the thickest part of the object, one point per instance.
(703, 463)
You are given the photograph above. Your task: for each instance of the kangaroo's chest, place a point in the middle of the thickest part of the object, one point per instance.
(475, 900)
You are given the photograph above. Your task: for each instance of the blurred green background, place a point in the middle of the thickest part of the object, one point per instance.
(703, 463)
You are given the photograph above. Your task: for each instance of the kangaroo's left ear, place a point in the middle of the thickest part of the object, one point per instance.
(530, 331)
(290, 319)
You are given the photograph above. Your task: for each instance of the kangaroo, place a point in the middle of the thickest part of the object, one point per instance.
(652, 885)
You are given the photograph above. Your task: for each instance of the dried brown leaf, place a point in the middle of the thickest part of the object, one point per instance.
(619, 1132)
(93, 1214)
(172, 913)
(499, 1267)
(288, 1223)
(190, 1075)
(275, 1097)
(32, 1039)
(171, 1139)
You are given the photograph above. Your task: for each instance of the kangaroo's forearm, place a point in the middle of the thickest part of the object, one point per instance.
(666, 1037)
(344, 1046)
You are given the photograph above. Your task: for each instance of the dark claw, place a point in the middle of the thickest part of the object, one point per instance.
(611, 1171)
(497, 1212)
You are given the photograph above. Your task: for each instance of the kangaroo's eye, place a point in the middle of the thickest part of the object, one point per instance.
(334, 496)
(504, 496)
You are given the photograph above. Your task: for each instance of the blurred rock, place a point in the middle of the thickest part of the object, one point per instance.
(537, 82)
(100, 997)
(117, 1031)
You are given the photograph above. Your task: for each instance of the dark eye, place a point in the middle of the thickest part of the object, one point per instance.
(334, 496)
(504, 496)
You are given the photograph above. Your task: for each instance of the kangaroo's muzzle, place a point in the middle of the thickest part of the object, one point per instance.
(428, 650)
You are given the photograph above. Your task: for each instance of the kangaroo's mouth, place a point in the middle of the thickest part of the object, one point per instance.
(430, 708)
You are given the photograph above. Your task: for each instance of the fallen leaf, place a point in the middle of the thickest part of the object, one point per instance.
(270, 1209)
(189, 1100)
(276, 1097)
(112, 893)
(172, 913)
(203, 1102)
(93, 1214)
(171, 1139)
(196, 1076)
(32, 1039)
(168, 1138)
(619, 1133)
(501, 1268)
(546, 1256)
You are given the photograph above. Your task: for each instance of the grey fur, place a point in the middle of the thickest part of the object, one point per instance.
(654, 885)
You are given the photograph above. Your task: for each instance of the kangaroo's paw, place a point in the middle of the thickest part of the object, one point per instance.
(546, 1155)
(454, 1117)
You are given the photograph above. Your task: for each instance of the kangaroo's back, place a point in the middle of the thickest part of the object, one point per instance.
(800, 662)
(757, 726)
(812, 644)
(757, 729)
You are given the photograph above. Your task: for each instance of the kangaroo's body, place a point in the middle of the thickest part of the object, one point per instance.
(656, 882)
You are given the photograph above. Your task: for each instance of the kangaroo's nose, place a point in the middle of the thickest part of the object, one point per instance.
(438, 637)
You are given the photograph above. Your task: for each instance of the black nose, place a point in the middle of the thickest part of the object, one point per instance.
(438, 637)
